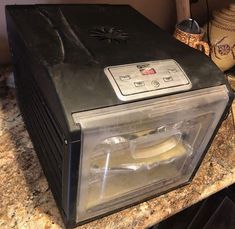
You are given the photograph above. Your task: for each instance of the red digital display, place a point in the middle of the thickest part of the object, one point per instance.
(148, 71)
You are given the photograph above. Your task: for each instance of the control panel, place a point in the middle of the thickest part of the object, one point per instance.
(139, 80)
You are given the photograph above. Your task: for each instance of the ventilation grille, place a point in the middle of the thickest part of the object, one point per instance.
(109, 34)
(44, 132)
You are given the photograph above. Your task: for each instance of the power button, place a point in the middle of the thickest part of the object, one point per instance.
(155, 83)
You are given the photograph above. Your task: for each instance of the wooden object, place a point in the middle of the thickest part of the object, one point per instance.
(183, 10)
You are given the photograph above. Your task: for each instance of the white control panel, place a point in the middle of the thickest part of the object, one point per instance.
(146, 79)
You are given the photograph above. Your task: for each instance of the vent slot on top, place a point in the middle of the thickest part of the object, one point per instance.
(109, 34)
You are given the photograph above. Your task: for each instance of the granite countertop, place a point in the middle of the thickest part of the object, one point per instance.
(27, 202)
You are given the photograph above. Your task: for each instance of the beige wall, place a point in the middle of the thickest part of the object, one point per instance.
(161, 12)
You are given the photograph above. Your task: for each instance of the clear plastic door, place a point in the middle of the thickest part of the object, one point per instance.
(137, 150)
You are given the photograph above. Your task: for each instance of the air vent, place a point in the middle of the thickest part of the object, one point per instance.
(109, 34)
(42, 127)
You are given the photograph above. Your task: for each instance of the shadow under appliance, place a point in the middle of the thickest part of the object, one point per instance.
(117, 109)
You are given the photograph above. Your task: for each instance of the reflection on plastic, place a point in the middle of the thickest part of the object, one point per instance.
(121, 162)
(140, 153)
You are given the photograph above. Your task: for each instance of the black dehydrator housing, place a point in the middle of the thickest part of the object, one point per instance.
(60, 53)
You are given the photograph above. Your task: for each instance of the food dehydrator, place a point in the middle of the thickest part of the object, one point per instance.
(117, 109)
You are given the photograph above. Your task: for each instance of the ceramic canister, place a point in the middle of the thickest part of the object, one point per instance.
(193, 40)
(222, 38)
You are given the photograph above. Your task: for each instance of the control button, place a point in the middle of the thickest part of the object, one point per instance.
(124, 78)
(155, 83)
(139, 84)
(172, 70)
(168, 78)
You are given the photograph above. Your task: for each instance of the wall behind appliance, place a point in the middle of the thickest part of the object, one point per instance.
(160, 12)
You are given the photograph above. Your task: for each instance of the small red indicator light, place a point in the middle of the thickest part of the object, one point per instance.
(148, 71)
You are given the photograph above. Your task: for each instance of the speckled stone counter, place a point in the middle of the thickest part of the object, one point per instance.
(27, 202)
